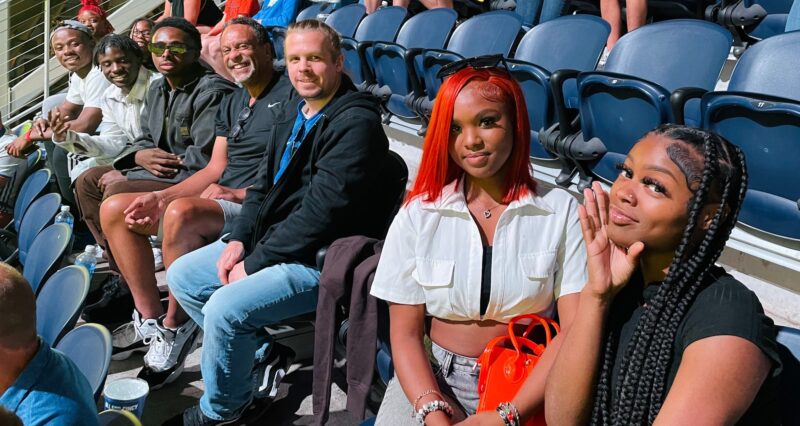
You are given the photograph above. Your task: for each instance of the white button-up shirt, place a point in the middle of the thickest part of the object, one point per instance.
(120, 126)
(433, 255)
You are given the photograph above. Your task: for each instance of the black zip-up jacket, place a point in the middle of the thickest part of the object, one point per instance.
(188, 112)
(327, 191)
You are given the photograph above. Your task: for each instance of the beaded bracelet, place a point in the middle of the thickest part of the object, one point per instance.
(430, 407)
(508, 412)
(424, 394)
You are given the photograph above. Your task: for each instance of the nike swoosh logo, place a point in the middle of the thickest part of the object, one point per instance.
(272, 105)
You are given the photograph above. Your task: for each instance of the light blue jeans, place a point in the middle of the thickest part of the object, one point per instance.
(793, 23)
(530, 10)
(233, 319)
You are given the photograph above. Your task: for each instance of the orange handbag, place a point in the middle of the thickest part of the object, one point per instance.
(504, 369)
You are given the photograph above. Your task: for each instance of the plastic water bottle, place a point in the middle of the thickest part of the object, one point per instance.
(65, 217)
(87, 259)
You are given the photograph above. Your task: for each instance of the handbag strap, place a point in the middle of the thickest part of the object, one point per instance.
(546, 323)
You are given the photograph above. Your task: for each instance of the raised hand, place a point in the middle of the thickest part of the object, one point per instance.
(610, 266)
(144, 211)
(59, 124)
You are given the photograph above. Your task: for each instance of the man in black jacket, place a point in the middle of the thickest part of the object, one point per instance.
(319, 182)
(176, 141)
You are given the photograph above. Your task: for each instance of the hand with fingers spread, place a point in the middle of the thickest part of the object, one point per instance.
(59, 124)
(158, 162)
(145, 210)
(610, 266)
(230, 266)
(219, 192)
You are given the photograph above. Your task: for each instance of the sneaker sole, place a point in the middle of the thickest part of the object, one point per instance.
(179, 370)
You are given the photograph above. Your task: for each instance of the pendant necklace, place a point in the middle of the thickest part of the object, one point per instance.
(487, 213)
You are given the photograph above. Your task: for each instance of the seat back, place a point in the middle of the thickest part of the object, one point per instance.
(277, 36)
(49, 248)
(346, 20)
(392, 189)
(673, 54)
(789, 389)
(60, 301)
(310, 12)
(570, 42)
(767, 67)
(427, 30)
(89, 347)
(767, 129)
(40, 214)
(118, 418)
(33, 187)
(382, 25)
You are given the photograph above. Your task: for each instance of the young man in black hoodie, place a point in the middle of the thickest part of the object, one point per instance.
(318, 182)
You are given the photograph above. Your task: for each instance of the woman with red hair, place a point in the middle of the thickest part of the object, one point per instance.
(476, 244)
(95, 17)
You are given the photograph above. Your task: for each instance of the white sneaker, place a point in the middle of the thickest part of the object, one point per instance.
(157, 259)
(169, 348)
(132, 337)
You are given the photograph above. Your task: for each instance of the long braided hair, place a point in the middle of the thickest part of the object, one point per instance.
(715, 173)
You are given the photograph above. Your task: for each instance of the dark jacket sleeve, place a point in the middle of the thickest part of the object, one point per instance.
(203, 128)
(352, 152)
(244, 225)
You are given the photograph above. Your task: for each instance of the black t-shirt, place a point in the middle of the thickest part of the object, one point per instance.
(724, 307)
(209, 16)
(246, 151)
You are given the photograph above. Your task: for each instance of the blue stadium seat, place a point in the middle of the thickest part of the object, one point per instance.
(394, 62)
(572, 42)
(33, 187)
(760, 113)
(751, 19)
(647, 71)
(39, 215)
(277, 35)
(50, 246)
(485, 34)
(346, 20)
(118, 418)
(59, 303)
(312, 11)
(382, 25)
(89, 347)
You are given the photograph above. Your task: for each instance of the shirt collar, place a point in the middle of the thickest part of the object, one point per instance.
(26, 381)
(139, 89)
(452, 198)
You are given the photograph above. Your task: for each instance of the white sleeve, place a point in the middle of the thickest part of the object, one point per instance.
(571, 275)
(93, 89)
(393, 281)
(74, 95)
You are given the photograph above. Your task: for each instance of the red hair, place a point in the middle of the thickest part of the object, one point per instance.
(437, 169)
(94, 7)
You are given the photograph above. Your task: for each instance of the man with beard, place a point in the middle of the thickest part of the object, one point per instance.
(197, 210)
(176, 140)
(72, 44)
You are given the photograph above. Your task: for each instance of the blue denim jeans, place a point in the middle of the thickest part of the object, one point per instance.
(793, 23)
(233, 319)
(530, 10)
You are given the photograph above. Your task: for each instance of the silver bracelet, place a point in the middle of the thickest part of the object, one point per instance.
(430, 407)
(508, 412)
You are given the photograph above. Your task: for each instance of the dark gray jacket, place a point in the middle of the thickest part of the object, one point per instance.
(188, 113)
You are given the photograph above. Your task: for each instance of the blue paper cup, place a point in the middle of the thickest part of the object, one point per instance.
(126, 394)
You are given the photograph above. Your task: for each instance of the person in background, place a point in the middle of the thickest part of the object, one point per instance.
(277, 13)
(8, 163)
(372, 5)
(203, 14)
(635, 14)
(476, 244)
(663, 335)
(73, 45)
(38, 384)
(198, 210)
(535, 12)
(94, 17)
(211, 53)
(793, 21)
(141, 30)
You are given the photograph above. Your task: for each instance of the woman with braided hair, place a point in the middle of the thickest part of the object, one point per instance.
(661, 334)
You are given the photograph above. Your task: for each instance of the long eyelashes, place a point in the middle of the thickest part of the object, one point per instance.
(653, 184)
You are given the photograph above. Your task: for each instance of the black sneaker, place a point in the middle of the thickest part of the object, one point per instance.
(167, 354)
(113, 305)
(252, 415)
(268, 374)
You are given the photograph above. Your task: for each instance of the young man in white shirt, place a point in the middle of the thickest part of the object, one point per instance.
(73, 44)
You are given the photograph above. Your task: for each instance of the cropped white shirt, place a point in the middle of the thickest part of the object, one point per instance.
(433, 256)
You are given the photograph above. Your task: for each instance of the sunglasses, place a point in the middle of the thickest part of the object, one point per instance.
(240, 120)
(158, 49)
(477, 63)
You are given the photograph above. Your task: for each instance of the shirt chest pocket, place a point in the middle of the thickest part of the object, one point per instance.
(434, 273)
(538, 268)
(181, 124)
